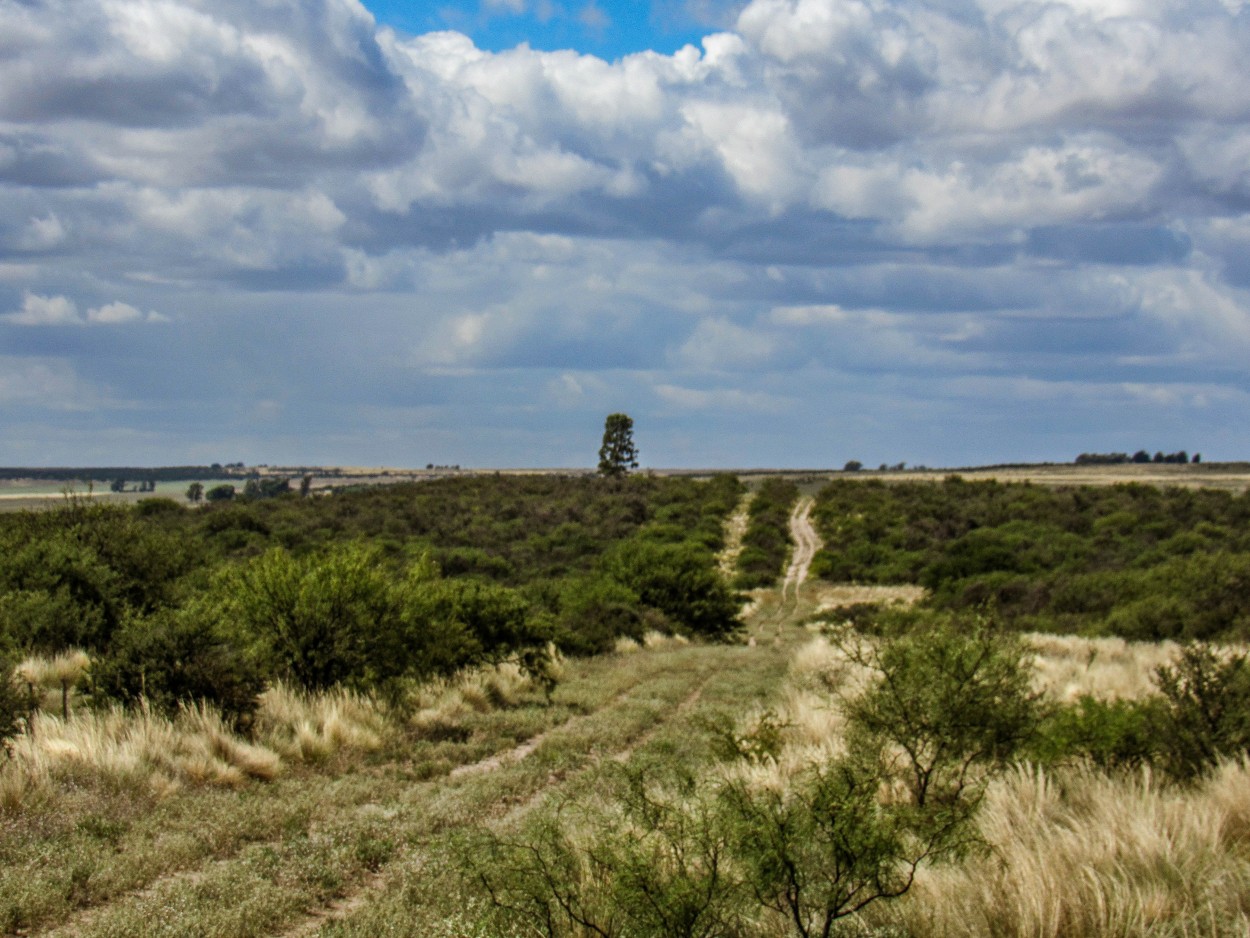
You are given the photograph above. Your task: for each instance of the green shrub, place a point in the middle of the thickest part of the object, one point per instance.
(829, 846)
(679, 580)
(14, 703)
(1206, 713)
(594, 611)
(49, 621)
(955, 699)
(179, 657)
(1113, 735)
(447, 625)
(656, 865)
(154, 507)
(321, 620)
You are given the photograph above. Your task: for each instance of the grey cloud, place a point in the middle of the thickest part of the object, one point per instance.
(1036, 200)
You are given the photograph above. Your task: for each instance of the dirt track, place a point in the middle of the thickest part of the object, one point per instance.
(806, 543)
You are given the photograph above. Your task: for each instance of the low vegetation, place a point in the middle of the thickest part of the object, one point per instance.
(370, 590)
(766, 541)
(1129, 560)
(300, 729)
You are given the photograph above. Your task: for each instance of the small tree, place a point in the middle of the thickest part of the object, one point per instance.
(195, 492)
(618, 455)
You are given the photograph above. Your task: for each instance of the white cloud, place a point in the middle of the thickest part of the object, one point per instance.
(43, 233)
(61, 311)
(41, 383)
(46, 311)
(114, 313)
(717, 344)
(879, 191)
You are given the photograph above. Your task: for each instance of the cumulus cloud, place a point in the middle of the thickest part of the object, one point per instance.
(45, 311)
(60, 311)
(907, 192)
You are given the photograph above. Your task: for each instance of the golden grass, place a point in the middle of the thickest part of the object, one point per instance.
(442, 706)
(1068, 667)
(308, 727)
(832, 595)
(66, 668)
(128, 749)
(1077, 853)
(147, 753)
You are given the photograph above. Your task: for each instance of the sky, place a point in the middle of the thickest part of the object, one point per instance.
(777, 233)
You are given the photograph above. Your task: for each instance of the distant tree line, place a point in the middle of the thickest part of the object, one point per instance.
(112, 473)
(1141, 456)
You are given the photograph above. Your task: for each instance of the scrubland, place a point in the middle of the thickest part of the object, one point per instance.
(865, 756)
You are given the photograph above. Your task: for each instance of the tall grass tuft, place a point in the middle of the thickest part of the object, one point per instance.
(59, 673)
(308, 727)
(1079, 854)
(1068, 667)
(136, 750)
(440, 707)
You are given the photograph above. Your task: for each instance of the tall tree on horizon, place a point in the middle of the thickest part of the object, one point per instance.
(618, 455)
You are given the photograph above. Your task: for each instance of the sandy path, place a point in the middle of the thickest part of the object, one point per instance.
(806, 543)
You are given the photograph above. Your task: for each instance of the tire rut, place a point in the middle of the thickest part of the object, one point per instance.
(343, 907)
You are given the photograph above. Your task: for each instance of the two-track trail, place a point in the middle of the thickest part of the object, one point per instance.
(346, 852)
(774, 609)
(806, 543)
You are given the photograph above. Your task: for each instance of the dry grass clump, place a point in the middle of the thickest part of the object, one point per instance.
(829, 666)
(652, 639)
(832, 595)
(1078, 853)
(66, 668)
(442, 706)
(626, 646)
(1069, 667)
(58, 674)
(313, 726)
(128, 749)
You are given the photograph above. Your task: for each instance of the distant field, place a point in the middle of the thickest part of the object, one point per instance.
(16, 494)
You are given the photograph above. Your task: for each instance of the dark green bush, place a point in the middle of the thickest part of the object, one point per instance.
(179, 657)
(14, 703)
(1133, 560)
(679, 580)
(1206, 713)
(594, 611)
(1113, 735)
(153, 507)
(447, 625)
